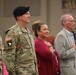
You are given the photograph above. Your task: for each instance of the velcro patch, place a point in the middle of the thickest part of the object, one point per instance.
(9, 41)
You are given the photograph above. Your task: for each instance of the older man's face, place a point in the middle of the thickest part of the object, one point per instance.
(70, 23)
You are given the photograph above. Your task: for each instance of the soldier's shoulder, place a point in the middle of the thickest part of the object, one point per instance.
(11, 29)
(15, 29)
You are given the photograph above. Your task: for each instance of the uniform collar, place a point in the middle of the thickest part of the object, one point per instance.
(25, 30)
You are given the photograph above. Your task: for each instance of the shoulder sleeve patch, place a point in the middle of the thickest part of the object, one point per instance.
(9, 41)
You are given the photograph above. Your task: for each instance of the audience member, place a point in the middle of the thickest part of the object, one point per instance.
(51, 39)
(47, 57)
(65, 45)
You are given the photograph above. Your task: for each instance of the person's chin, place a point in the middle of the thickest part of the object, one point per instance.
(47, 36)
(28, 21)
(73, 27)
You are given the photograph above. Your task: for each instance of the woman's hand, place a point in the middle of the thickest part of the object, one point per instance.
(50, 46)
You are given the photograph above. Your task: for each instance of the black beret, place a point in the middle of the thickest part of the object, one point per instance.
(18, 11)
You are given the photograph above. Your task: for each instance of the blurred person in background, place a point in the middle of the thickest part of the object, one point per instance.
(1, 69)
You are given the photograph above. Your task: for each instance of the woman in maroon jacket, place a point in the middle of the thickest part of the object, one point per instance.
(47, 57)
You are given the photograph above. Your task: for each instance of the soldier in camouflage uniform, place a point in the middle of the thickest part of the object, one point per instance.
(19, 50)
(0, 55)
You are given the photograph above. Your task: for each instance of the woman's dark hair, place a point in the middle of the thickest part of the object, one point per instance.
(36, 27)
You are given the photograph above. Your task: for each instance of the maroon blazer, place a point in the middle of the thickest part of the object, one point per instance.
(47, 64)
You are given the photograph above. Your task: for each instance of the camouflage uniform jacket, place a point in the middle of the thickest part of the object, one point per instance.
(19, 50)
(0, 55)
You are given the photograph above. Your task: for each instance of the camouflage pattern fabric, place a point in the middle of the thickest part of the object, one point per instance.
(19, 51)
(0, 55)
